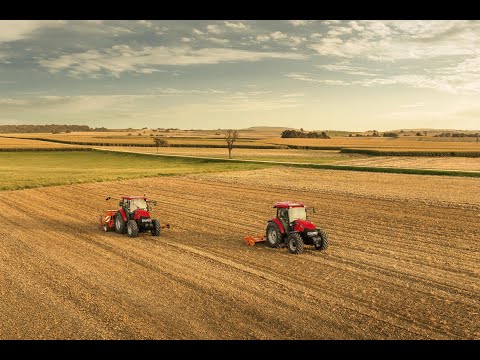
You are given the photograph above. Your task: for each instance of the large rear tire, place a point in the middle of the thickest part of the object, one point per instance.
(323, 244)
(295, 243)
(274, 236)
(156, 228)
(120, 224)
(132, 228)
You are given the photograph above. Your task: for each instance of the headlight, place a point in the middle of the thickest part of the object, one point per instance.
(312, 233)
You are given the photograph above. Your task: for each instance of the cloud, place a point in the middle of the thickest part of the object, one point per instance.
(400, 40)
(415, 105)
(299, 22)
(307, 77)
(278, 35)
(122, 58)
(263, 38)
(448, 83)
(340, 30)
(218, 40)
(214, 29)
(346, 69)
(14, 102)
(173, 91)
(145, 23)
(185, 39)
(293, 95)
(12, 30)
(239, 26)
(198, 32)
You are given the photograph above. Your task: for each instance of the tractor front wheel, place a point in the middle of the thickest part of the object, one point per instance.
(120, 225)
(295, 243)
(274, 236)
(323, 243)
(132, 228)
(156, 228)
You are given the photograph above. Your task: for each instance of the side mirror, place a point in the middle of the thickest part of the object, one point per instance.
(120, 203)
(314, 210)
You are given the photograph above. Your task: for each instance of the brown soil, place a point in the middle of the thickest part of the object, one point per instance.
(397, 267)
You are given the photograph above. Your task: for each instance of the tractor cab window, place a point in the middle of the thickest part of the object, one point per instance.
(136, 204)
(297, 213)
(282, 214)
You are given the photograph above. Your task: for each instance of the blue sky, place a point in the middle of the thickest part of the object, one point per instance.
(316, 74)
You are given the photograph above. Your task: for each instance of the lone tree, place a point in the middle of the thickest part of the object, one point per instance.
(160, 142)
(230, 137)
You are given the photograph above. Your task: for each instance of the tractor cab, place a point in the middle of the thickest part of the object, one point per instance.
(130, 204)
(289, 212)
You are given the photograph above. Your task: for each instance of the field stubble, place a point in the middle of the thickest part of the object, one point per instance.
(400, 266)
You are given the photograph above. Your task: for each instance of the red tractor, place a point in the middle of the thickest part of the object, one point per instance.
(292, 229)
(132, 218)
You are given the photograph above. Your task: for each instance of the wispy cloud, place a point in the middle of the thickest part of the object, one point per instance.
(346, 69)
(122, 58)
(307, 77)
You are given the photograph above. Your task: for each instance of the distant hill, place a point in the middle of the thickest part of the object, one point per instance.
(267, 128)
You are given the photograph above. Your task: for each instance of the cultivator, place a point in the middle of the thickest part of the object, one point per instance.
(251, 240)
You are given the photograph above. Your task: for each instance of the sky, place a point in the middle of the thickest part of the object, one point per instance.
(314, 74)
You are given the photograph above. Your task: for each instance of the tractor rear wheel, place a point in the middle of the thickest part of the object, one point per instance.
(120, 225)
(132, 228)
(274, 236)
(295, 243)
(156, 228)
(323, 244)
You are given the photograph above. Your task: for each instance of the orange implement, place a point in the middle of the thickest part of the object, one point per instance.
(251, 240)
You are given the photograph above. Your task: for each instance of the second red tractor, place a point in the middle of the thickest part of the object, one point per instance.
(292, 229)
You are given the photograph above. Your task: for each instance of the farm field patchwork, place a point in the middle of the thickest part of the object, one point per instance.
(402, 262)
(260, 139)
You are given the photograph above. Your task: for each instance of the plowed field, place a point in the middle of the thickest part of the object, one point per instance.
(403, 261)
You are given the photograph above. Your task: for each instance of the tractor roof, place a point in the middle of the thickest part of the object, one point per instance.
(288, 204)
(134, 197)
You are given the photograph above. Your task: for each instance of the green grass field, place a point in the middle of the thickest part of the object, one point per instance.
(22, 170)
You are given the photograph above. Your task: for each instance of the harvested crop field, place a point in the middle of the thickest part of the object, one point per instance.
(319, 157)
(285, 155)
(9, 143)
(402, 262)
(417, 162)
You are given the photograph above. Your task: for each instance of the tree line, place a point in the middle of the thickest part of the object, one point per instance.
(304, 134)
(447, 134)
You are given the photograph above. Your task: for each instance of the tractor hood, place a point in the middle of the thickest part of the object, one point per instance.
(141, 213)
(304, 224)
